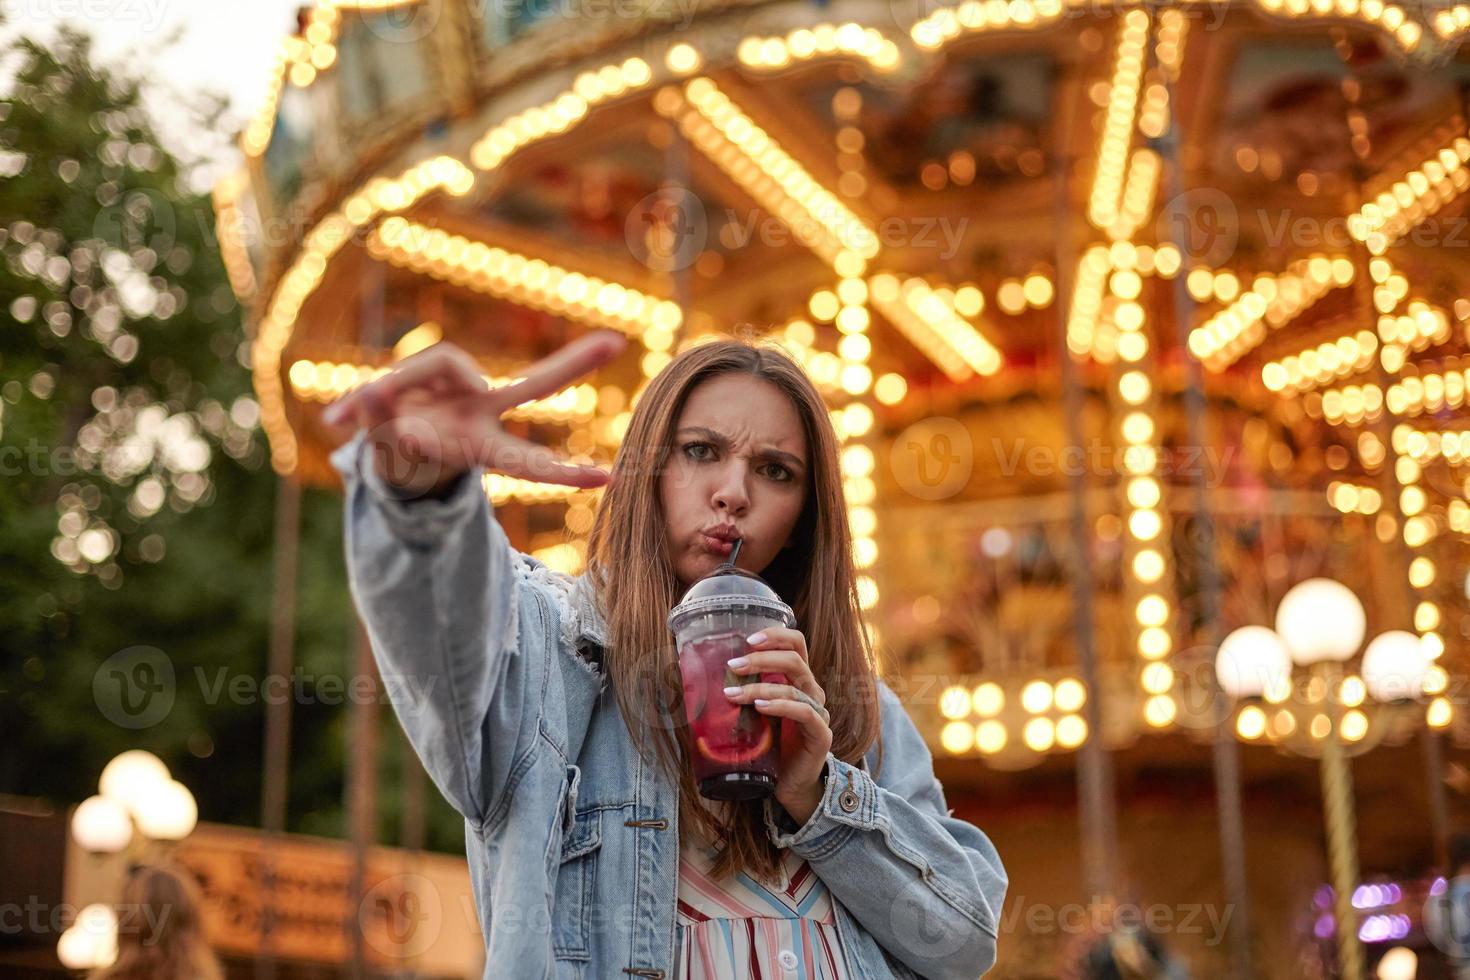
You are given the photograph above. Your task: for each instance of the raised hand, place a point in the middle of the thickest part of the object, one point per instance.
(433, 417)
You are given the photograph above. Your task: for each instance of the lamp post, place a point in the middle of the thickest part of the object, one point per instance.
(140, 812)
(1320, 624)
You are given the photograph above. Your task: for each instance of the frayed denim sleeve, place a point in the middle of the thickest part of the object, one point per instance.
(927, 886)
(436, 585)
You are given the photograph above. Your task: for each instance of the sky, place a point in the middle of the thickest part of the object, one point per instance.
(225, 46)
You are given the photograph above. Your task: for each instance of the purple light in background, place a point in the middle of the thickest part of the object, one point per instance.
(1323, 897)
(1440, 884)
(1384, 928)
(1323, 928)
(1376, 896)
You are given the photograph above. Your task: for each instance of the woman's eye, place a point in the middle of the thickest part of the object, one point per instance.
(778, 472)
(698, 450)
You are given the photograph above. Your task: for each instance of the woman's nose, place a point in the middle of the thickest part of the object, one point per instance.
(730, 493)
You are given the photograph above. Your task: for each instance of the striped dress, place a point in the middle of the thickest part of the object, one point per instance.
(737, 927)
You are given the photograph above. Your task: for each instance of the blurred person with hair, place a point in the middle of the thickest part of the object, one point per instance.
(546, 707)
(1131, 954)
(160, 934)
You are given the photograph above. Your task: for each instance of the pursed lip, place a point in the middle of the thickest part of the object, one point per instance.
(722, 532)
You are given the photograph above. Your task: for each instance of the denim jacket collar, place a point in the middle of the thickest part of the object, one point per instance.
(587, 620)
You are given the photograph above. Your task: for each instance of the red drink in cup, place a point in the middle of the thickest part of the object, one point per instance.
(733, 747)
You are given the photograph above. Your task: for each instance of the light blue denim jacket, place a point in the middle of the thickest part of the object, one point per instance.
(572, 836)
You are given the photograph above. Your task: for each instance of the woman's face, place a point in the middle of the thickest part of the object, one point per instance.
(738, 467)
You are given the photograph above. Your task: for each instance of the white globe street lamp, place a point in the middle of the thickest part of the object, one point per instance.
(168, 812)
(132, 776)
(91, 942)
(140, 805)
(102, 825)
(1399, 963)
(1320, 621)
(1320, 624)
(1251, 661)
(1395, 666)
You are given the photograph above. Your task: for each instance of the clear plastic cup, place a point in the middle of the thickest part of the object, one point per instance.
(733, 747)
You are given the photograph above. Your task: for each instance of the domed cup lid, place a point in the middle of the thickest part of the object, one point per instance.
(730, 589)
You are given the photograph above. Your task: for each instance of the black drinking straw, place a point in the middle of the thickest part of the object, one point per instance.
(734, 552)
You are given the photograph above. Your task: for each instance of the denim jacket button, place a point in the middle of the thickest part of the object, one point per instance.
(848, 801)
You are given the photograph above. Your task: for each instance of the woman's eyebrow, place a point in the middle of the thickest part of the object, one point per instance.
(795, 462)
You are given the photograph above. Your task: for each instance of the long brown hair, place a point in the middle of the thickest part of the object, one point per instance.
(628, 557)
(160, 935)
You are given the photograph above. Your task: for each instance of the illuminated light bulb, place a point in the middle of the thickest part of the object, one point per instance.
(987, 699)
(1160, 710)
(1011, 297)
(1145, 525)
(824, 305)
(1148, 566)
(890, 389)
(1039, 734)
(957, 737)
(1134, 387)
(1126, 284)
(683, 58)
(857, 418)
(1144, 493)
(848, 264)
(969, 301)
(857, 461)
(1069, 695)
(990, 736)
(862, 521)
(1201, 284)
(1152, 610)
(1440, 713)
(1137, 427)
(856, 379)
(1128, 316)
(854, 347)
(852, 292)
(1036, 696)
(1132, 347)
(1071, 731)
(853, 319)
(1251, 723)
(1157, 678)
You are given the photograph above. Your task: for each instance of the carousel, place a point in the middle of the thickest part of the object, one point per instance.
(1131, 316)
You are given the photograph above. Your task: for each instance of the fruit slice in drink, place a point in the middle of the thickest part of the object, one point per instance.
(734, 745)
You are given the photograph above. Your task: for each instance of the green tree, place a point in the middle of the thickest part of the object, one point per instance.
(137, 503)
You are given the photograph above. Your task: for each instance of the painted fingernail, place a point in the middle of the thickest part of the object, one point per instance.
(732, 691)
(737, 662)
(756, 638)
(761, 702)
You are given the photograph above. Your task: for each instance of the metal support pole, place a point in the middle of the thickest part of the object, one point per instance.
(1225, 751)
(1098, 811)
(1439, 814)
(1342, 833)
(275, 767)
(362, 813)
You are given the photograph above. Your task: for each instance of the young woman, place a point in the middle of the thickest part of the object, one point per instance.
(546, 708)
